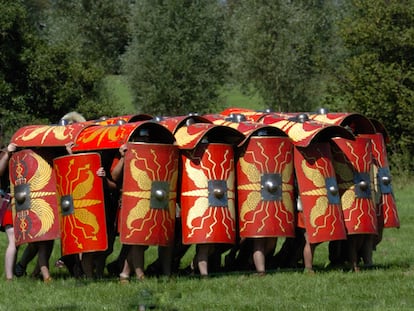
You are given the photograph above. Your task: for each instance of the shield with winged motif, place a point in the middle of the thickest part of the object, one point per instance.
(265, 184)
(149, 194)
(208, 194)
(354, 169)
(81, 201)
(34, 204)
(319, 194)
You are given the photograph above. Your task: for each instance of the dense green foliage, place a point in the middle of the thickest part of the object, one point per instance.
(377, 78)
(179, 56)
(98, 27)
(41, 79)
(282, 49)
(174, 63)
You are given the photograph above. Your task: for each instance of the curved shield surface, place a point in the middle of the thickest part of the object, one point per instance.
(318, 190)
(34, 204)
(387, 207)
(149, 194)
(47, 135)
(353, 165)
(81, 201)
(265, 184)
(208, 194)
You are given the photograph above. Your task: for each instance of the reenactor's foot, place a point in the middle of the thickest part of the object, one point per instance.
(123, 279)
(48, 280)
(19, 270)
(309, 271)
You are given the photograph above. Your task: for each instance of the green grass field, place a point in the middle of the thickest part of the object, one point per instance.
(388, 286)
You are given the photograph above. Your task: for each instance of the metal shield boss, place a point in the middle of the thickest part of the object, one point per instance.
(265, 184)
(147, 215)
(318, 190)
(208, 194)
(354, 169)
(81, 201)
(385, 200)
(34, 204)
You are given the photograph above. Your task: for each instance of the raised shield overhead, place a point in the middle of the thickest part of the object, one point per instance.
(302, 131)
(47, 135)
(318, 190)
(149, 194)
(354, 168)
(208, 194)
(34, 204)
(174, 123)
(357, 123)
(386, 205)
(265, 186)
(81, 201)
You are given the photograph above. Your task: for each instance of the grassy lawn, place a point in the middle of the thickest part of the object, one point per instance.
(388, 286)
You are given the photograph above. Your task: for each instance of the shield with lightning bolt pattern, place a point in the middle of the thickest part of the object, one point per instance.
(149, 194)
(386, 205)
(265, 184)
(208, 194)
(319, 194)
(354, 168)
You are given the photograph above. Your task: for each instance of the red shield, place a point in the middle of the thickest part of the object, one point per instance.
(81, 201)
(354, 121)
(100, 137)
(319, 193)
(174, 123)
(303, 133)
(265, 184)
(208, 194)
(34, 204)
(387, 207)
(46, 135)
(149, 194)
(353, 165)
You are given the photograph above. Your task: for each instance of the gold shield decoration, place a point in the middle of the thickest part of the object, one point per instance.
(149, 194)
(318, 190)
(34, 204)
(47, 135)
(265, 188)
(354, 169)
(208, 194)
(81, 202)
(387, 207)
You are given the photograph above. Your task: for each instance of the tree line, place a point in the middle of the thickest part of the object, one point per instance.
(178, 55)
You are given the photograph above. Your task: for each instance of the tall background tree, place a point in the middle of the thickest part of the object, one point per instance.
(45, 70)
(377, 77)
(175, 61)
(99, 28)
(281, 49)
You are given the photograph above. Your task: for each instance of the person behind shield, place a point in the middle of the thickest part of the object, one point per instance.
(7, 219)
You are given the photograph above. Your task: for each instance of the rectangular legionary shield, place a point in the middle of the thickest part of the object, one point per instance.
(354, 169)
(81, 201)
(265, 184)
(34, 203)
(149, 194)
(208, 194)
(387, 207)
(318, 192)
